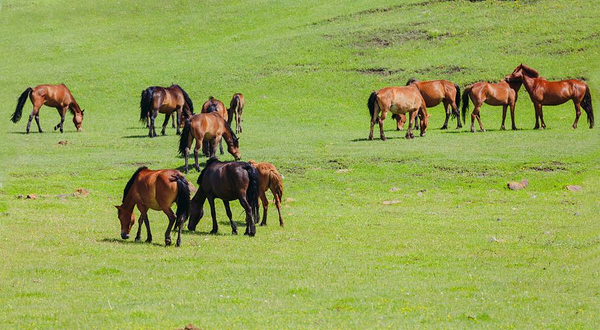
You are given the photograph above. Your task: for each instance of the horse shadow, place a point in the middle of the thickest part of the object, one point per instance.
(127, 241)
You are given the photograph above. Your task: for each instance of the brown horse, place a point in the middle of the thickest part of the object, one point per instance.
(156, 190)
(228, 181)
(269, 179)
(504, 93)
(398, 100)
(210, 127)
(57, 96)
(165, 100)
(236, 107)
(435, 92)
(543, 92)
(213, 105)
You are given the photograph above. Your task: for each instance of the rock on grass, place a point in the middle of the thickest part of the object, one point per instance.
(518, 185)
(574, 187)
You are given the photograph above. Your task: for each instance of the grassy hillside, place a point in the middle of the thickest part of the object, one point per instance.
(458, 249)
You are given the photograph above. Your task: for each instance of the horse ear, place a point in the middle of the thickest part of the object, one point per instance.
(82, 111)
(118, 207)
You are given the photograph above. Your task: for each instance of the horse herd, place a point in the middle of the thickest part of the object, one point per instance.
(414, 99)
(248, 181)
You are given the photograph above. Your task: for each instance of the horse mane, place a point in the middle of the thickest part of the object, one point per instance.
(233, 136)
(187, 98)
(208, 162)
(530, 71)
(411, 80)
(130, 182)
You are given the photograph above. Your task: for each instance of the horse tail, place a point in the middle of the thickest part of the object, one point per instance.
(465, 102)
(276, 182)
(16, 116)
(183, 196)
(586, 104)
(146, 104)
(252, 191)
(457, 100)
(371, 103)
(188, 100)
(185, 135)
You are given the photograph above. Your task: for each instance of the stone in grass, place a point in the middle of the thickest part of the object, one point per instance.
(32, 196)
(290, 200)
(574, 187)
(190, 327)
(394, 189)
(394, 201)
(63, 142)
(497, 240)
(343, 170)
(518, 185)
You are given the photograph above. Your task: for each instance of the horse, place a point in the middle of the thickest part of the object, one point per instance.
(156, 99)
(269, 178)
(228, 181)
(57, 96)
(236, 106)
(213, 105)
(398, 100)
(210, 127)
(543, 92)
(156, 190)
(503, 93)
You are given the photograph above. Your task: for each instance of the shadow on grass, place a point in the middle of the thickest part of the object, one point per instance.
(127, 241)
(477, 131)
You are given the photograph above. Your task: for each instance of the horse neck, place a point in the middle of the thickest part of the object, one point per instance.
(128, 203)
(228, 137)
(529, 82)
(74, 106)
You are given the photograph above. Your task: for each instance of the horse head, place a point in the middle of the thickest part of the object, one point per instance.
(78, 120)
(127, 219)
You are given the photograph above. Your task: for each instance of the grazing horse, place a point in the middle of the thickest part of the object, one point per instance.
(210, 127)
(165, 100)
(213, 105)
(57, 96)
(236, 106)
(398, 100)
(156, 190)
(435, 92)
(504, 93)
(269, 179)
(543, 92)
(228, 181)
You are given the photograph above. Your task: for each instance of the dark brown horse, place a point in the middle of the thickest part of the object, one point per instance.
(504, 93)
(400, 101)
(544, 92)
(435, 92)
(165, 100)
(236, 107)
(156, 190)
(210, 127)
(269, 179)
(57, 96)
(228, 181)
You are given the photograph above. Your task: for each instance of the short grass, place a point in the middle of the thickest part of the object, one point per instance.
(459, 250)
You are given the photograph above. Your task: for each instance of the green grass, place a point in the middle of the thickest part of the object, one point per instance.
(344, 260)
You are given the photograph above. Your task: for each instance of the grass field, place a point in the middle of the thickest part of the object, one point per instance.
(459, 250)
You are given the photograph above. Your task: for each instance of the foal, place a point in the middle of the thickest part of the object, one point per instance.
(269, 179)
(236, 106)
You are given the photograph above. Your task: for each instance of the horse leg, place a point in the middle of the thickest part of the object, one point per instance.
(179, 116)
(165, 123)
(228, 210)
(138, 235)
(62, 113)
(374, 118)
(542, 117)
(411, 120)
(265, 204)
(196, 150)
(455, 109)
(473, 117)
(220, 146)
(250, 228)
(512, 116)
(503, 116)
(537, 115)
(172, 219)
(213, 214)
(174, 117)
(577, 113)
(381, 119)
(481, 129)
(148, 232)
(151, 126)
(278, 205)
(447, 108)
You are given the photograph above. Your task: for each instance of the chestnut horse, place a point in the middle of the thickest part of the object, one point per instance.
(210, 127)
(57, 96)
(269, 179)
(156, 190)
(236, 107)
(543, 92)
(398, 100)
(228, 181)
(165, 100)
(435, 92)
(504, 93)
(213, 105)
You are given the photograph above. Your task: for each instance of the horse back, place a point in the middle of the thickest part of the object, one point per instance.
(155, 189)
(227, 181)
(53, 95)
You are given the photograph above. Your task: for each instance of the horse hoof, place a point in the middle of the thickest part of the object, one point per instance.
(514, 128)
(262, 224)
(137, 239)
(149, 240)
(383, 138)
(234, 232)
(213, 232)
(502, 128)
(167, 242)
(444, 127)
